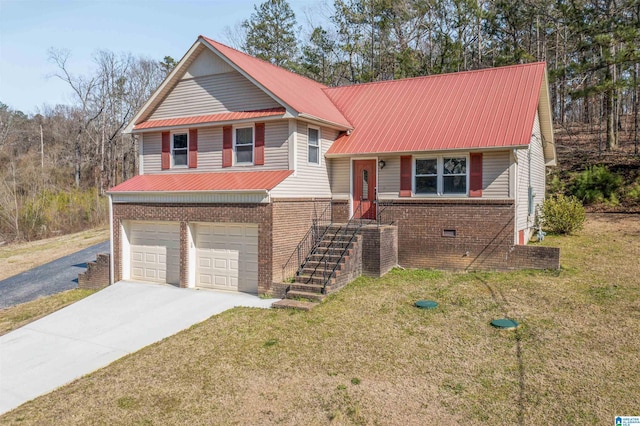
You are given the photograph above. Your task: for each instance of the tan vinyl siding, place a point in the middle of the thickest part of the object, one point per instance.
(151, 152)
(210, 151)
(276, 145)
(310, 180)
(207, 63)
(389, 178)
(538, 173)
(212, 94)
(340, 172)
(495, 174)
(538, 168)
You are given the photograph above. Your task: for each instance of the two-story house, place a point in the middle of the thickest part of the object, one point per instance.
(238, 156)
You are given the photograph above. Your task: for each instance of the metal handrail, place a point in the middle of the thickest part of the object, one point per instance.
(327, 277)
(308, 244)
(380, 214)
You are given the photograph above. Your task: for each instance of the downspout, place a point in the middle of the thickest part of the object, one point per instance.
(111, 257)
(516, 182)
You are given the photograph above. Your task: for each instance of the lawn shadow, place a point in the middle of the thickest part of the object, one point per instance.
(500, 299)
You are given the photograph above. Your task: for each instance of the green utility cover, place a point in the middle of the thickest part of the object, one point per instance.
(505, 323)
(426, 304)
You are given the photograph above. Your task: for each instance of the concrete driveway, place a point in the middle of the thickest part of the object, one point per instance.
(98, 330)
(50, 278)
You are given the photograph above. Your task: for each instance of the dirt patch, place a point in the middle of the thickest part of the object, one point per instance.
(20, 257)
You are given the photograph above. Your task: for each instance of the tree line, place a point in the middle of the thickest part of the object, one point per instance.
(71, 154)
(55, 165)
(591, 47)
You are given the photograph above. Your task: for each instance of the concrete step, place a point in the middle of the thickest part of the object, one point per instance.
(334, 244)
(332, 251)
(309, 288)
(317, 257)
(318, 270)
(297, 294)
(306, 279)
(294, 304)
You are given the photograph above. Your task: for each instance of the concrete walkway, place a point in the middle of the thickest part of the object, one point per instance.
(98, 330)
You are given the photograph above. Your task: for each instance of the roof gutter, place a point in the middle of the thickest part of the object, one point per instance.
(428, 151)
(203, 191)
(327, 123)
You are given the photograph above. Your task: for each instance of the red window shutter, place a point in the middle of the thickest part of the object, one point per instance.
(166, 151)
(193, 148)
(259, 146)
(227, 146)
(475, 176)
(405, 176)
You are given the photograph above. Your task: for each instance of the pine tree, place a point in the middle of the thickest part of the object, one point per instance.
(271, 33)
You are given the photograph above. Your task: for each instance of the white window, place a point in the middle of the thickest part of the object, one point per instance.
(243, 145)
(443, 175)
(180, 149)
(313, 144)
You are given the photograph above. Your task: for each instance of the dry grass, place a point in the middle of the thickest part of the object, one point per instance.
(19, 315)
(17, 258)
(367, 356)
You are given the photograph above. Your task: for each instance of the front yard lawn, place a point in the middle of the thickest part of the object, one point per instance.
(368, 356)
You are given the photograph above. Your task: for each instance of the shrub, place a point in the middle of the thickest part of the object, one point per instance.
(50, 212)
(562, 214)
(633, 191)
(597, 184)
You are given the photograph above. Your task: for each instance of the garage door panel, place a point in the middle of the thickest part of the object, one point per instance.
(155, 252)
(232, 253)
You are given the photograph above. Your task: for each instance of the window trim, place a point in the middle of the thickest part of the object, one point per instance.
(440, 175)
(172, 151)
(253, 144)
(319, 146)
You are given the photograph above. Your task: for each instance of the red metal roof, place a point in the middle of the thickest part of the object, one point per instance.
(493, 107)
(302, 94)
(211, 118)
(224, 181)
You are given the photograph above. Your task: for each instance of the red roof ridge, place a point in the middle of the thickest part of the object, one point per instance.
(212, 41)
(420, 77)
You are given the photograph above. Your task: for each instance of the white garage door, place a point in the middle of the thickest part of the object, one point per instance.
(155, 251)
(227, 256)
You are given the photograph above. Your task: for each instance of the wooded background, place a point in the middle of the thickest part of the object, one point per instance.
(56, 165)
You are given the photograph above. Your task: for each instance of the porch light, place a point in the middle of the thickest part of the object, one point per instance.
(381, 164)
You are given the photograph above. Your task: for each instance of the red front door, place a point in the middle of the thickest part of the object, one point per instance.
(364, 189)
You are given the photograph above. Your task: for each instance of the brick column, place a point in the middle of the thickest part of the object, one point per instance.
(184, 254)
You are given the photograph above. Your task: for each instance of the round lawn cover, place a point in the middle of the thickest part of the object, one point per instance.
(505, 324)
(426, 304)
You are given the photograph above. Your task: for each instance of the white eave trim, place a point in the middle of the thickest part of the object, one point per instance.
(288, 107)
(313, 119)
(428, 152)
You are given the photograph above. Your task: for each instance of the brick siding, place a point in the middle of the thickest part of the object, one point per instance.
(97, 274)
(379, 249)
(484, 235)
(259, 214)
(291, 221)
(340, 211)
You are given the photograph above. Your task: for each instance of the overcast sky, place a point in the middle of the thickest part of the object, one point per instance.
(151, 28)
